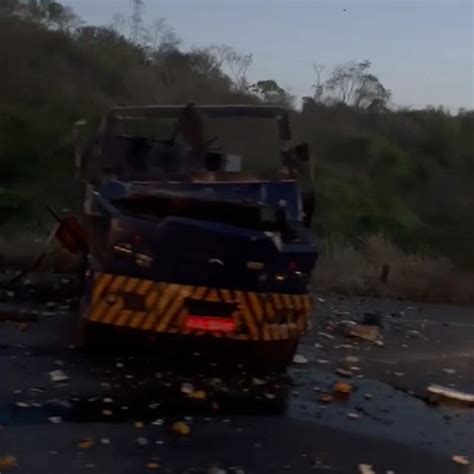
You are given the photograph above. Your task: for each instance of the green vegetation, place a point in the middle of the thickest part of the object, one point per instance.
(407, 174)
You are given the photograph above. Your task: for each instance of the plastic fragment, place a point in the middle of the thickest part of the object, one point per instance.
(181, 428)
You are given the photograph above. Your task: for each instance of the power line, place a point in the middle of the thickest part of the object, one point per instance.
(137, 11)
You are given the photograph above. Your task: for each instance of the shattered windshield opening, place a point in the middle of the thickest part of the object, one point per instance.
(151, 148)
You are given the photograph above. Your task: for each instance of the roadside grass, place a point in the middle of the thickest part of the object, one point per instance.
(358, 271)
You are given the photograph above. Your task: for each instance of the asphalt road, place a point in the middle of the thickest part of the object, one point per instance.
(115, 413)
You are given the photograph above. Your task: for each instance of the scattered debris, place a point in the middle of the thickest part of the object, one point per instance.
(344, 373)
(366, 469)
(107, 412)
(449, 371)
(181, 428)
(368, 396)
(105, 440)
(461, 460)
(326, 335)
(58, 376)
(322, 361)
(451, 394)
(414, 334)
(55, 419)
(256, 381)
(86, 443)
(198, 395)
(399, 374)
(300, 359)
(352, 359)
(342, 387)
(353, 416)
(187, 388)
(7, 462)
(326, 398)
(364, 332)
(153, 465)
(139, 424)
(22, 405)
(142, 441)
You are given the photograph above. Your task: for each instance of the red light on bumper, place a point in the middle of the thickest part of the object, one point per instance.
(209, 323)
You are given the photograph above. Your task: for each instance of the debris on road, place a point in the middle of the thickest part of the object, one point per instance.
(342, 387)
(461, 460)
(142, 441)
(187, 388)
(366, 469)
(300, 359)
(58, 376)
(86, 443)
(198, 395)
(55, 419)
(181, 428)
(353, 416)
(449, 371)
(364, 332)
(326, 335)
(7, 462)
(326, 398)
(139, 424)
(451, 394)
(344, 373)
(153, 465)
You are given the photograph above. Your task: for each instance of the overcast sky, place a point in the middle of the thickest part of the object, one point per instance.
(423, 50)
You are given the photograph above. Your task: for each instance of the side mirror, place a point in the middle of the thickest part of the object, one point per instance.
(301, 152)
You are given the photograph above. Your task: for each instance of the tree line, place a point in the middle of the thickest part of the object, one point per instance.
(380, 169)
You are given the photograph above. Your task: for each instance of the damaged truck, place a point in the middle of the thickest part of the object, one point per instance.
(194, 231)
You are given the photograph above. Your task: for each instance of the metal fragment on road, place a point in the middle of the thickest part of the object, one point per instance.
(451, 394)
(58, 376)
(55, 419)
(353, 416)
(300, 359)
(344, 373)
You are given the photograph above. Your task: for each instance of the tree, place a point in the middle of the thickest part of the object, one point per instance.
(234, 63)
(270, 92)
(352, 84)
(159, 37)
(319, 86)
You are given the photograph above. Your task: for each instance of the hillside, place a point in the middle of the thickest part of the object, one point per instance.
(407, 174)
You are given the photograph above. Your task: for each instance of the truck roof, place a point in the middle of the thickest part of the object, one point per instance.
(211, 111)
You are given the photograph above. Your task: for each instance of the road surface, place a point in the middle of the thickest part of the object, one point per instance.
(115, 413)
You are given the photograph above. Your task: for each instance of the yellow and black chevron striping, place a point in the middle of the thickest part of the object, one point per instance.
(161, 307)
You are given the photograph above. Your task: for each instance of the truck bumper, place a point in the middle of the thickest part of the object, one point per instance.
(163, 308)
